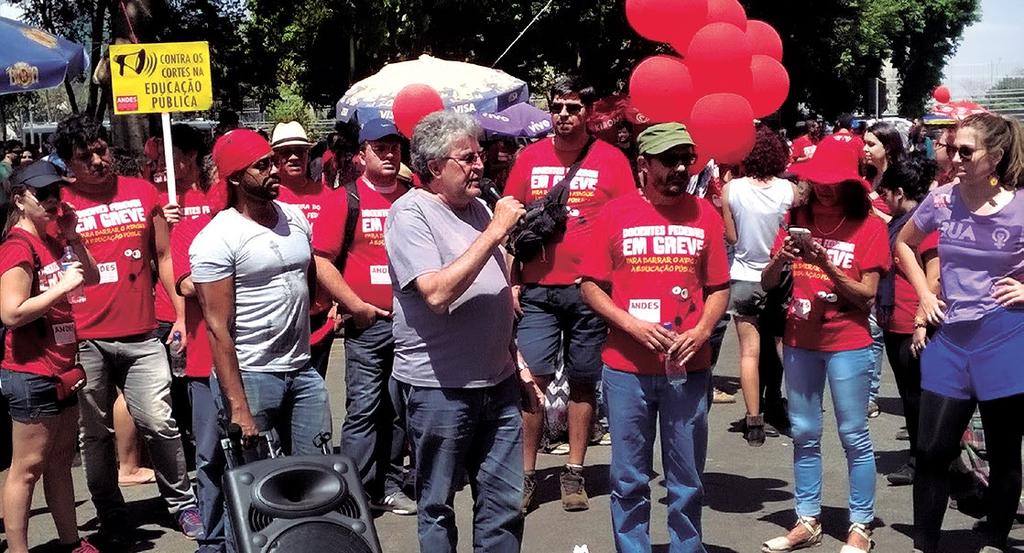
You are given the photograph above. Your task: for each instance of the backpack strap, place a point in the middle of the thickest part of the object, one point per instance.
(351, 220)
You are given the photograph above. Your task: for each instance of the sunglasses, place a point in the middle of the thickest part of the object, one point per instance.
(673, 159)
(262, 165)
(46, 193)
(572, 108)
(966, 152)
(284, 154)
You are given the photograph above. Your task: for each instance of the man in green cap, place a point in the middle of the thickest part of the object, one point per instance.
(659, 276)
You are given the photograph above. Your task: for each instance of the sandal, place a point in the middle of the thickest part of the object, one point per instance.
(863, 531)
(783, 543)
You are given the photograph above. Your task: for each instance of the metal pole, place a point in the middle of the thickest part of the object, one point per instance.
(876, 97)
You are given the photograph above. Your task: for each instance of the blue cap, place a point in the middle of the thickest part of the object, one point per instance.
(39, 174)
(375, 129)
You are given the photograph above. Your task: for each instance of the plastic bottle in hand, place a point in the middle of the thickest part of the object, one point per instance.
(177, 356)
(675, 372)
(78, 294)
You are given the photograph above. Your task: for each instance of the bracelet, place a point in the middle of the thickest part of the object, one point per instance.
(920, 324)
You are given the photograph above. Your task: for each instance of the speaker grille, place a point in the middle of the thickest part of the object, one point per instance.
(322, 536)
(349, 507)
(257, 520)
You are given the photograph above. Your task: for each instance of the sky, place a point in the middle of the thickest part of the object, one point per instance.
(990, 49)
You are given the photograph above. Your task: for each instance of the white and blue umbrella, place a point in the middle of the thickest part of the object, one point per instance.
(32, 59)
(464, 87)
(520, 120)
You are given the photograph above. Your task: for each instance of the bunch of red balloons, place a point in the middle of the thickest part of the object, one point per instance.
(730, 71)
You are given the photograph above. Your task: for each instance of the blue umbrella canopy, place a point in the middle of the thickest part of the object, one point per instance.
(518, 120)
(32, 59)
(464, 87)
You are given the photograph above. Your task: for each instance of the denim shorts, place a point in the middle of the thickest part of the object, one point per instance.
(32, 396)
(746, 299)
(557, 326)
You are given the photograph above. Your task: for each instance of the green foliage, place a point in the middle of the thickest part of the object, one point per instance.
(290, 106)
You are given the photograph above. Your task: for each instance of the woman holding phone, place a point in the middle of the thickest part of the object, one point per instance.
(39, 377)
(973, 360)
(838, 251)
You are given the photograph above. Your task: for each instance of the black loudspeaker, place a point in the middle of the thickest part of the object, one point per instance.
(300, 504)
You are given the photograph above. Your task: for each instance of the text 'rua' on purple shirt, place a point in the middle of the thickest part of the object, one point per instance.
(975, 251)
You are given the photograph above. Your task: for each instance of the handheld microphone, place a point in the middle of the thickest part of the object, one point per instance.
(489, 192)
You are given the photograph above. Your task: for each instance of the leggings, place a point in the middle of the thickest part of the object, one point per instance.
(907, 371)
(942, 424)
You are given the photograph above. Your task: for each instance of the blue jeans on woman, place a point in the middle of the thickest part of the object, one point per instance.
(848, 374)
(637, 406)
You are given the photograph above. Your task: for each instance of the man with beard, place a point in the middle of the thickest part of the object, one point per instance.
(121, 222)
(660, 277)
(556, 325)
(252, 267)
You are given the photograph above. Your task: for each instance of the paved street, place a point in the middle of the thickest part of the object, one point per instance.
(749, 493)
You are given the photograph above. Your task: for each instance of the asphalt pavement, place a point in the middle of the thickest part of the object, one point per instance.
(749, 493)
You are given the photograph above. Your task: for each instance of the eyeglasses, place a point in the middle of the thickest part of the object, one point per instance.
(46, 193)
(572, 108)
(673, 159)
(966, 152)
(262, 165)
(468, 159)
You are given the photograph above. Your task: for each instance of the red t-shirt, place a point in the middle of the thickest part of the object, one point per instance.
(322, 205)
(366, 267)
(198, 355)
(881, 205)
(192, 203)
(604, 174)
(803, 147)
(658, 261)
(818, 317)
(906, 301)
(46, 346)
(117, 227)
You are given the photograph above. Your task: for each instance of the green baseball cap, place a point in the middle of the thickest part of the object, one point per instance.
(663, 136)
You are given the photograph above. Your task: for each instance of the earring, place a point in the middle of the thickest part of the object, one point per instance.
(993, 181)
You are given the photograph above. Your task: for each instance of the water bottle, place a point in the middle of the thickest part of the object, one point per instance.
(78, 294)
(177, 356)
(675, 372)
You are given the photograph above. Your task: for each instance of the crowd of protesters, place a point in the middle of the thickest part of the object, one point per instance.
(213, 313)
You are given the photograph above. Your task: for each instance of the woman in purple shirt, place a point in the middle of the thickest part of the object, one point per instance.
(974, 358)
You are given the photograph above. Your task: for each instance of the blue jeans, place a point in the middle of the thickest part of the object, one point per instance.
(293, 403)
(210, 466)
(877, 347)
(478, 431)
(373, 435)
(637, 406)
(848, 374)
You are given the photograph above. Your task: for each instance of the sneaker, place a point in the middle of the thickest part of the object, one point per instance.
(529, 487)
(397, 503)
(606, 439)
(753, 430)
(873, 410)
(574, 493)
(903, 476)
(191, 524)
(722, 397)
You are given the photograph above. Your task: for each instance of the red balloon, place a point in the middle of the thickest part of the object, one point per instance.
(412, 103)
(662, 89)
(727, 11)
(719, 60)
(667, 20)
(764, 39)
(722, 126)
(771, 85)
(941, 94)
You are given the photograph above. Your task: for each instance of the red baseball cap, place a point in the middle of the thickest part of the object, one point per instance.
(832, 163)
